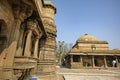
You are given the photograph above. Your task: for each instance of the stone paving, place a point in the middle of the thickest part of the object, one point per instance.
(89, 74)
(79, 77)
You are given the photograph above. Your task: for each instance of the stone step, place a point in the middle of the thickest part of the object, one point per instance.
(50, 62)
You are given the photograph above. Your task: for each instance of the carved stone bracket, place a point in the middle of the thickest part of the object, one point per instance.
(21, 11)
(38, 37)
(31, 24)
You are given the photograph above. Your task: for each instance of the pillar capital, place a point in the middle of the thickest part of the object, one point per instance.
(31, 24)
(29, 30)
(38, 37)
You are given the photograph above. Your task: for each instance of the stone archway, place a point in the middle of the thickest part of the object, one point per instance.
(99, 61)
(3, 35)
(3, 44)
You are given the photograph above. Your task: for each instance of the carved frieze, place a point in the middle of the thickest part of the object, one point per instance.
(50, 27)
(22, 65)
(49, 22)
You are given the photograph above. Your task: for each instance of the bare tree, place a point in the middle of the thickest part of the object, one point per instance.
(61, 51)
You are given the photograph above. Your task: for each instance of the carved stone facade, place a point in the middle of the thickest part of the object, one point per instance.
(89, 52)
(27, 39)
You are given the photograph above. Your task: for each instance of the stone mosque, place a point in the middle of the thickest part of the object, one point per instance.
(90, 52)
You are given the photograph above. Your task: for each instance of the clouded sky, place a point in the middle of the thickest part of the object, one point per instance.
(100, 18)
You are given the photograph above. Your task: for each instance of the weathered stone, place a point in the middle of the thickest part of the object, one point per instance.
(27, 42)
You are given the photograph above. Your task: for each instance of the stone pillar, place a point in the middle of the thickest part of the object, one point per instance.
(42, 49)
(28, 44)
(71, 57)
(117, 62)
(17, 32)
(36, 48)
(93, 62)
(20, 49)
(81, 59)
(105, 62)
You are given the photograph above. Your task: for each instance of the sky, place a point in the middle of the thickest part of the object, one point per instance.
(100, 18)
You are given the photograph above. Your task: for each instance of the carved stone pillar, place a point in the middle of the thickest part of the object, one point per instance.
(93, 62)
(19, 46)
(17, 32)
(19, 15)
(28, 44)
(36, 48)
(105, 62)
(31, 25)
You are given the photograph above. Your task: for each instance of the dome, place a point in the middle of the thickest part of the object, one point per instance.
(87, 37)
(49, 3)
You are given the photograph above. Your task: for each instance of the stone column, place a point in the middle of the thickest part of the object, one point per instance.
(36, 48)
(42, 49)
(17, 28)
(93, 62)
(105, 62)
(81, 59)
(117, 62)
(28, 44)
(71, 57)
(20, 49)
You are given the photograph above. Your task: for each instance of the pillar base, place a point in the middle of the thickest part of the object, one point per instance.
(7, 73)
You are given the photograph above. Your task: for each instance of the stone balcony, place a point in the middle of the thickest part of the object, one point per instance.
(23, 62)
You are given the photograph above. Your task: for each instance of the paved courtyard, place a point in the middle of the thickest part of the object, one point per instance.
(89, 74)
(79, 77)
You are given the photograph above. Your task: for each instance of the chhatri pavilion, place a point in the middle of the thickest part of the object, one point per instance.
(89, 52)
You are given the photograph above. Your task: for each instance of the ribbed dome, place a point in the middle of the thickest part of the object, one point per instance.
(87, 37)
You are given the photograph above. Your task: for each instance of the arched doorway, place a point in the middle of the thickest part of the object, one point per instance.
(99, 61)
(109, 60)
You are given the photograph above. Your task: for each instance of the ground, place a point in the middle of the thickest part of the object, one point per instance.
(89, 74)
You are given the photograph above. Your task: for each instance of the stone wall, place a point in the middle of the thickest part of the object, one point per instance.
(88, 46)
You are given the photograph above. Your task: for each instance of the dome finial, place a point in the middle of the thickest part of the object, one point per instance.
(86, 34)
